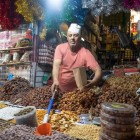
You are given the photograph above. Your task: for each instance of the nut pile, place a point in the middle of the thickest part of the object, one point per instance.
(40, 113)
(131, 82)
(39, 97)
(78, 101)
(22, 132)
(117, 95)
(63, 120)
(121, 90)
(4, 124)
(84, 132)
(12, 88)
(17, 85)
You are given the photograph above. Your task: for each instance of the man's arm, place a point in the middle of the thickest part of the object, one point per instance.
(55, 73)
(97, 77)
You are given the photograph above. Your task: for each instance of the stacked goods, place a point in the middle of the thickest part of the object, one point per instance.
(63, 120)
(121, 90)
(22, 132)
(117, 121)
(84, 132)
(46, 55)
(13, 87)
(79, 101)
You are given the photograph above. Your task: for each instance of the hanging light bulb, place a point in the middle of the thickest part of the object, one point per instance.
(55, 4)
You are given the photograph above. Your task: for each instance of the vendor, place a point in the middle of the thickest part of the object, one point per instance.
(71, 55)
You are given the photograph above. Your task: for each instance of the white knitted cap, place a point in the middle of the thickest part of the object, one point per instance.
(75, 28)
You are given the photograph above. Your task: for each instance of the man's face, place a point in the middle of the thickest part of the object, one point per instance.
(73, 39)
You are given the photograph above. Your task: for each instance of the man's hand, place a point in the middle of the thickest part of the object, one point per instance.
(54, 86)
(89, 84)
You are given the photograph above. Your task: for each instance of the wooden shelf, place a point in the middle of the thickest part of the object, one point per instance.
(19, 48)
(16, 63)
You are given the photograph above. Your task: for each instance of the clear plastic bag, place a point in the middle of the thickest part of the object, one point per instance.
(16, 57)
(7, 58)
(25, 57)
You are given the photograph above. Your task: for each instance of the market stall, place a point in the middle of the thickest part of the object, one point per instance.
(30, 31)
(74, 113)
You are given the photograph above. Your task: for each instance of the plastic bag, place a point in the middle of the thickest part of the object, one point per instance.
(16, 57)
(25, 57)
(7, 58)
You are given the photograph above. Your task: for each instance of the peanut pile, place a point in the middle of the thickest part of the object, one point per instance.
(84, 132)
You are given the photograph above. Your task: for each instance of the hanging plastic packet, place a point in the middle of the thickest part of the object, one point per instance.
(25, 57)
(16, 57)
(7, 58)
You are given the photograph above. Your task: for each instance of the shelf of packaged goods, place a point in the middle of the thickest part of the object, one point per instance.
(16, 63)
(19, 48)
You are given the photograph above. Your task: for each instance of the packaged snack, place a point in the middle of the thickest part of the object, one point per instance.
(16, 57)
(118, 109)
(25, 57)
(117, 120)
(117, 127)
(118, 135)
(7, 58)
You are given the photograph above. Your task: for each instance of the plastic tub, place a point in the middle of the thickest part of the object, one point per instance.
(118, 135)
(117, 127)
(28, 119)
(118, 109)
(103, 136)
(117, 120)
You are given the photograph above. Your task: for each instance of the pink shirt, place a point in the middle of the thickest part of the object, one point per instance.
(70, 60)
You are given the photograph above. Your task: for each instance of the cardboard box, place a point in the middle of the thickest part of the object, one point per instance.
(80, 77)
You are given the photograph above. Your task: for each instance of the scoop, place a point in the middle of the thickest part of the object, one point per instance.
(45, 128)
